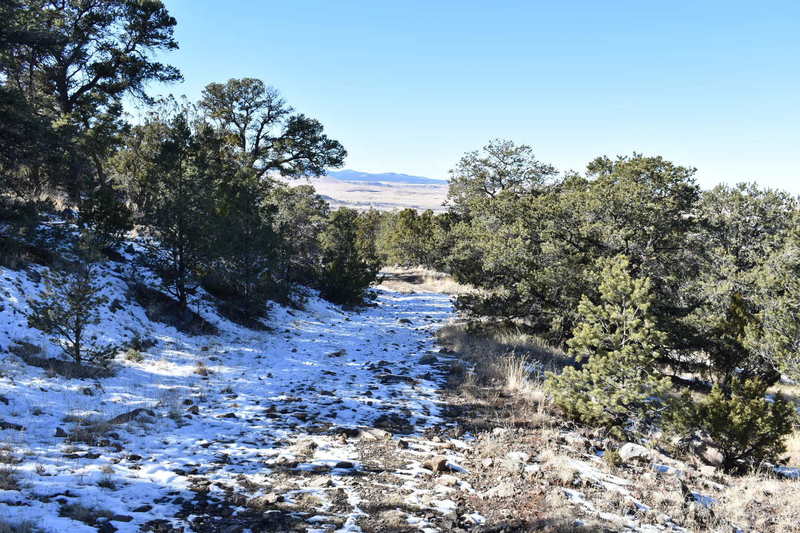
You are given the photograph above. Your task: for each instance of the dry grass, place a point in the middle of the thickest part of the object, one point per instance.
(503, 356)
(760, 503)
(87, 428)
(84, 514)
(410, 280)
(9, 478)
(792, 455)
(170, 399)
(19, 527)
(792, 393)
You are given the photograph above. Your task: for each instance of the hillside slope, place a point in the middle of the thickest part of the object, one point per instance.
(207, 428)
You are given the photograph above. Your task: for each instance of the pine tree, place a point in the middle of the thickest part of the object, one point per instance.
(172, 162)
(618, 386)
(349, 261)
(740, 421)
(69, 304)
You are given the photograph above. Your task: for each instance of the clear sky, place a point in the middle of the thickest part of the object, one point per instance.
(408, 86)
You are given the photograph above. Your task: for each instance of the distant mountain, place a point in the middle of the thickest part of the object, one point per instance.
(387, 177)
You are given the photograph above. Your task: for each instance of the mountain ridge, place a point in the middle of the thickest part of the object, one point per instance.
(390, 177)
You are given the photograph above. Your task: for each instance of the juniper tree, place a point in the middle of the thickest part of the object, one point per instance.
(740, 421)
(619, 384)
(69, 305)
(74, 64)
(349, 262)
(246, 245)
(172, 165)
(269, 137)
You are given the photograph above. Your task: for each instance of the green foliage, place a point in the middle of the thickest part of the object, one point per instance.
(744, 296)
(740, 421)
(501, 167)
(619, 385)
(409, 238)
(268, 136)
(73, 62)
(300, 218)
(245, 246)
(68, 306)
(32, 154)
(173, 162)
(88, 55)
(349, 262)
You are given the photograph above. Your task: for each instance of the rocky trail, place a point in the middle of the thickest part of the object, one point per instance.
(331, 422)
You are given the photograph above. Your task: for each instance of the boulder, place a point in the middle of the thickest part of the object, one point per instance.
(437, 464)
(504, 490)
(631, 452)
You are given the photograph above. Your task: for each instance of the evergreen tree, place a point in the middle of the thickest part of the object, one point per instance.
(349, 262)
(245, 244)
(68, 306)
(301, 217)
(172, 159)
(408, 238)
(618, 387)
(740, 421)
(268, 136)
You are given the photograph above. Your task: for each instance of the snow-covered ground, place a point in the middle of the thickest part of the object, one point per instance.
(239, 409)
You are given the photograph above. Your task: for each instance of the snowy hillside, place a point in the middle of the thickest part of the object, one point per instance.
(203, 425)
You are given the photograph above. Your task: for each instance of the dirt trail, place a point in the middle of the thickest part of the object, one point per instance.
(343, 435)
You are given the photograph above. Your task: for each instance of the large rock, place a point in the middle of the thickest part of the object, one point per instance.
(504, 490)
(634, 452)
(516, 461)
(137, 414)
(304, 447)
(437, 464)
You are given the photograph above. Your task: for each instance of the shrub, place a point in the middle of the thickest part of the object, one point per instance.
(618, 386)
(740, 421)
(66, 308)
(133, 355)
(349, 262)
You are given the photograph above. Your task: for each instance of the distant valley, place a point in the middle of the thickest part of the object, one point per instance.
(384, 191)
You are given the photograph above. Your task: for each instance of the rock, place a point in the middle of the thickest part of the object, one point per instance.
(304, 447)
(344, 464)
(437, 464)
(121, 518)
(261, 502)
(402, 444)
(533, 469)
(448, 480)
(371, 434)
(11, 425)
(321, 483)
(707, 470)
(143, 509)
(631, 451)
(60, 433)
(428, 359)
(228, 415)
(520, 457)
(486, 463)
(516, 461)
(711, 456)
(195, 410)
(504, 490)
(130, 415)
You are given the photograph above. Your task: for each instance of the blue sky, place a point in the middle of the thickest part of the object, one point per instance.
(410, 86)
